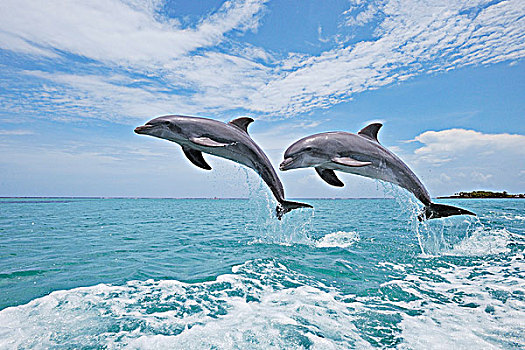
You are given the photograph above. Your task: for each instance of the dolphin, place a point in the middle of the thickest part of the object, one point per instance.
(227, 140)
(361, 154)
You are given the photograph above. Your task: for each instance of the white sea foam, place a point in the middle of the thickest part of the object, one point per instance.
(261, 305)
(302, 317)
(339, 239)
(467, 307)
(399, 267)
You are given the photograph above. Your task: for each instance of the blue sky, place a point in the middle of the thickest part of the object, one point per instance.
(447, 79)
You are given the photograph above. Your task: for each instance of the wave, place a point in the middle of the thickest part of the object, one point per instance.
(263, 304)
(467, 307)
(260, 305)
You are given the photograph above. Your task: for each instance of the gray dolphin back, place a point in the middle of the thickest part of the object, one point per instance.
(231, 141)
(266, 171)
(362, 154)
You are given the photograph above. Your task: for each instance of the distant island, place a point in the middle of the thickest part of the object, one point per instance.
(484, 194)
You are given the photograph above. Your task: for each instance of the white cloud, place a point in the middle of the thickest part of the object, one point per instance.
(449, 145)
(468, 160)
(414, 37)
(114, 31)
(105, 97)
(16, 132)
(203, 68)
(212, 80)
(361, 15)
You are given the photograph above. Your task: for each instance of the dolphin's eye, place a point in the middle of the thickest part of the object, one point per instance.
(174, 127)
(308, 149)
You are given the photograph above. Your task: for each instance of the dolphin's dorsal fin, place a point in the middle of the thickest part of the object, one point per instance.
(370, 131)
(347, 161)
(328, 175)
(242, 123)
(196, 158)
(206, 141)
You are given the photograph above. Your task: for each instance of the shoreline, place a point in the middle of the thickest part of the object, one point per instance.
(457, 197)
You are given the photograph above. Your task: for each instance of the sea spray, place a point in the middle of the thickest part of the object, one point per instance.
(293, 228)
(261, 222)
(340, 239)
(440, 236)
(437, 236)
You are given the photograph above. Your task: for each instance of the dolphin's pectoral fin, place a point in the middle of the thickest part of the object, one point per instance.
(196, 158)
(370, 131)
(328, 175)
(242, 123)
(206, 141)
(347, 161)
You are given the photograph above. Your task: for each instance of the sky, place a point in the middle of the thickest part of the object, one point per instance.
(446, 79)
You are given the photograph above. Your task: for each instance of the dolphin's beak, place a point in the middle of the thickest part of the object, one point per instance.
(142, 129)
(286, 164)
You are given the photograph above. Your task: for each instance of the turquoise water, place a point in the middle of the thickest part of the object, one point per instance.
(225, 274)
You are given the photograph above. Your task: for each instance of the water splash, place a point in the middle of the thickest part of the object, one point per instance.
(339, 239)
(482, 242)
(293, 228)
(454, 235)
(441, 236)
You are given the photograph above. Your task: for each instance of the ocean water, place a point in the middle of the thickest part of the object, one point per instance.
(225, 274)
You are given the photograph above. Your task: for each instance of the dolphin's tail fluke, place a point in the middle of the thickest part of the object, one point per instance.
(287, 206)
(434, 211)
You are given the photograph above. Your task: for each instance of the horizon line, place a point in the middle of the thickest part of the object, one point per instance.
(138, 197)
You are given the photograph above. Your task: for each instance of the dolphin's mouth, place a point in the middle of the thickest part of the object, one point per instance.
(143, 129)
(286, 164)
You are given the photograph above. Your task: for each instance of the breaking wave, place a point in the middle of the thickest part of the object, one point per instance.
(261, 305)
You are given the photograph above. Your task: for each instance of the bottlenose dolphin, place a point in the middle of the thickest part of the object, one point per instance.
(361, 154)
(230, 141)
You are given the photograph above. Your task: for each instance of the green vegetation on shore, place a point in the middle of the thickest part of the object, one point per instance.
(485, 194)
